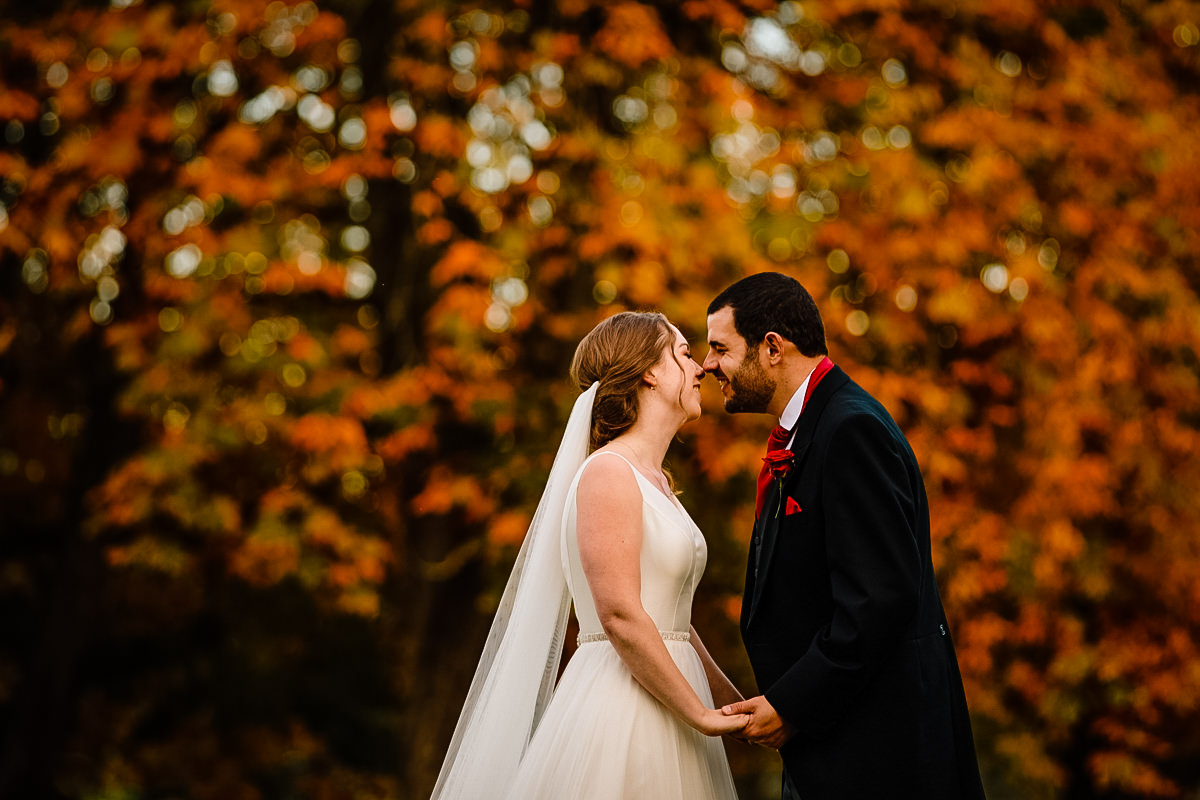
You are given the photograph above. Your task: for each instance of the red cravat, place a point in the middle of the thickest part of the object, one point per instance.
(776, 441)
(779, 436)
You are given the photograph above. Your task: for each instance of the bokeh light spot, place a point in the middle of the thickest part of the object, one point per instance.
(541, 211)
(353, 134)
(57, 74)
(183, 261)
(169, 320)
(360, 279)
(222, 80)
(275, 403)
(548, 181)
(355, 238)
(256, 432)
(1048, 254)
(1187, 35)
(631, 212)
(894, 73)
(101, 312)
(293, 375)
(994, 277)
(498, 317)
(354, 484)
(604, 292)
(898, 137)
(838, 261)
(1008, 63)
(779, 249)
(402, 114)
(857, 322)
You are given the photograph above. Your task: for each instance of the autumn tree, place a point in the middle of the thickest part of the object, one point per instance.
(290, 290)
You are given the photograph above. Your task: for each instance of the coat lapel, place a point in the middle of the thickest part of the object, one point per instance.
(768, 523)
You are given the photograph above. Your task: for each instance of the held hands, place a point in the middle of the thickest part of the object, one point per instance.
(716, 722)
(765, 727)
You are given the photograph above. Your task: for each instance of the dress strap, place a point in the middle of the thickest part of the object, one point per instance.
(637, 473)
(618, 455)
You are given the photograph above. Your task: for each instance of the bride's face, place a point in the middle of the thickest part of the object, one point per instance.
(679, 376)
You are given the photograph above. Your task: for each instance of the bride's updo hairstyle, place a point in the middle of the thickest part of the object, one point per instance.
(617, 353)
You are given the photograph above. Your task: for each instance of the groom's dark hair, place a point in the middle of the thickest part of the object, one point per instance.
(770, 301)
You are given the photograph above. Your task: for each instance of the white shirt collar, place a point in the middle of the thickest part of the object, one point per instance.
(791, 412)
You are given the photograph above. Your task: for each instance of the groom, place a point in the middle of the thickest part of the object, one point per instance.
(841, 616)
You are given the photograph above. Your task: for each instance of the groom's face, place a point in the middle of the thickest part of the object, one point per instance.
(745, 385)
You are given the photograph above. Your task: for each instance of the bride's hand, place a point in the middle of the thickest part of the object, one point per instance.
(715, 723)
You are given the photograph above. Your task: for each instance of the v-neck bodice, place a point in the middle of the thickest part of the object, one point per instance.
(672, 559)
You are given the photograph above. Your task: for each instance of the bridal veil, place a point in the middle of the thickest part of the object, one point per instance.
(519, 665)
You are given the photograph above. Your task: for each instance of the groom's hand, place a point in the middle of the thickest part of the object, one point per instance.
(765, 727)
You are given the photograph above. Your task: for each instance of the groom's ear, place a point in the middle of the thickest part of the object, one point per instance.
(773, 344)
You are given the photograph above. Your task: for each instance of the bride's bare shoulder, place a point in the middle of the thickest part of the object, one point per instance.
(608, 498)
(610, 474)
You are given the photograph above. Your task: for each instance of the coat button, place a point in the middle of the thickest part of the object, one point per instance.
(943, 629)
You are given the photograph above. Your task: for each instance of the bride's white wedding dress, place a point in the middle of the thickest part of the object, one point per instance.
(597, 734)
(603, 736)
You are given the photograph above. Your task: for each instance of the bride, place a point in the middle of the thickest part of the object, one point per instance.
(633, 715)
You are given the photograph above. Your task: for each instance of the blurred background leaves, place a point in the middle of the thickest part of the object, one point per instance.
(290, 291)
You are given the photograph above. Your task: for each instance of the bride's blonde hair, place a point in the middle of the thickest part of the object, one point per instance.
(617, 353)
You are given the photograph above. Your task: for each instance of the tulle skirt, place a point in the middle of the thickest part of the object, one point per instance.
(604, 737)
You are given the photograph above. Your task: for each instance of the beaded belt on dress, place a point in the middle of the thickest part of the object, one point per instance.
(671, 636)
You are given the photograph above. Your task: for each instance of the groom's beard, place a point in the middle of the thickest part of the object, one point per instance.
(750, 388)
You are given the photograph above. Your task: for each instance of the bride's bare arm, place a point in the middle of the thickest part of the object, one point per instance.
(723, 690)
(609, 506)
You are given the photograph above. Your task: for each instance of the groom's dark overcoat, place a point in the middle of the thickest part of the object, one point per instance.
(842, 619)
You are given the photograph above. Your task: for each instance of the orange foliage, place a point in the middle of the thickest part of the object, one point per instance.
(340, 440)
(466, 259)
(402, 443)
(633, 35)
(507, 529)
(265, 560)
(344, 399)
(439, 137)
(435, 232)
